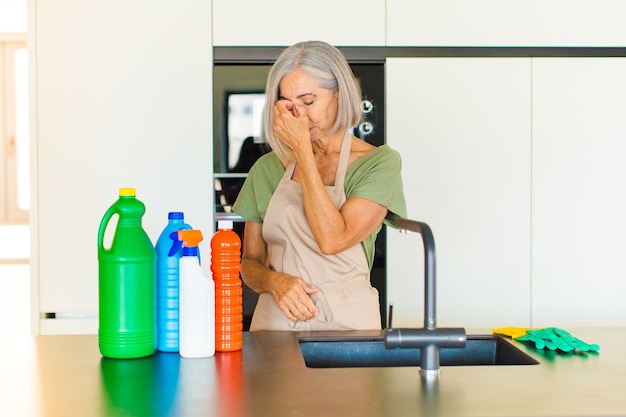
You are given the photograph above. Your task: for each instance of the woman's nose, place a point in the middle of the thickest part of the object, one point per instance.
(289, 105)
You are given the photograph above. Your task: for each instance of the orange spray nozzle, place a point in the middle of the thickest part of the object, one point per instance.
(190, 238)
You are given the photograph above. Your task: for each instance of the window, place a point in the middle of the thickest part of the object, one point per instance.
(14, 134)
(243, 120)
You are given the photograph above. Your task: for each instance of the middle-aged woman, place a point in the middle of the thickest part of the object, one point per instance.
(314, 205)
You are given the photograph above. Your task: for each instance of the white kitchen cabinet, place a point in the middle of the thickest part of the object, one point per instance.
(579, 191)
(283, 23)
(572, 23)
(462, 126)
(520, 173)
(110, 108)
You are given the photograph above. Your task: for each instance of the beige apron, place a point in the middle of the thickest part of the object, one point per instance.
(346, 299)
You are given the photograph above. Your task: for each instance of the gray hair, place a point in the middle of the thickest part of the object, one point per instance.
(328, 65)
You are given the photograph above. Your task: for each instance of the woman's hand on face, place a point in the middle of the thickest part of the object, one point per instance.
(291, 124)
(292, 295)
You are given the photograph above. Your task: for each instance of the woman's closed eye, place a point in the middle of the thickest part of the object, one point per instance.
(305, 100)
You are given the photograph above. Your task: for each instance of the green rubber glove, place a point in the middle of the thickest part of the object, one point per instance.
(553, 338)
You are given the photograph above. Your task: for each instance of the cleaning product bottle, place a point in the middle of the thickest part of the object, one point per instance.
(168, 274)
(127, 283)
(197, 301)
(225, 266)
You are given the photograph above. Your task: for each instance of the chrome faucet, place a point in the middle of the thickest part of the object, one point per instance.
(429, 339)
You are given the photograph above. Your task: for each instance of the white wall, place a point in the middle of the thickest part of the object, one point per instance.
(122, 97)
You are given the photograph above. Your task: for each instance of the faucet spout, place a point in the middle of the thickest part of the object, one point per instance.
(429, 339)
(430, 268)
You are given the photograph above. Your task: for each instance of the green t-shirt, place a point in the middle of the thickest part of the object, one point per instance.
(375, 176)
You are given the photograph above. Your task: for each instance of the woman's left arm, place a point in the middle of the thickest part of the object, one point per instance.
(374, 189)
(337, 230)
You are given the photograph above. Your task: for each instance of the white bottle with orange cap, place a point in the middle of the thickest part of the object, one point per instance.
(197, 301)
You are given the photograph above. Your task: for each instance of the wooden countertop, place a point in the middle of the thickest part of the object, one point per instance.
(66, 376)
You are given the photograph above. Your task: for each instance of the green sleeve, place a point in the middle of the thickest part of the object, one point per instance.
(258, 188)
(377, 177)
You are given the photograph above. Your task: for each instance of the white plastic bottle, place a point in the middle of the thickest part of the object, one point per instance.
(197, 301)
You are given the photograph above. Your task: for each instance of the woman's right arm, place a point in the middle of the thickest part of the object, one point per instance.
(254, 270)
(291, 293)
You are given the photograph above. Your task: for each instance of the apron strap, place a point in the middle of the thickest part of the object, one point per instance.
(291, 166)
(344, 158)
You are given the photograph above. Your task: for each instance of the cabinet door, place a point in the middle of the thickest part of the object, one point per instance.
(128, 107)
(283, 23)
(462, 126)
(579, 191)
(506, 23)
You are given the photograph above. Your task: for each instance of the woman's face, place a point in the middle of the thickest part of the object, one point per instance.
(302, 93)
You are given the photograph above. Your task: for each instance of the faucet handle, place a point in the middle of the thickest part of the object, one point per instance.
(390, 316)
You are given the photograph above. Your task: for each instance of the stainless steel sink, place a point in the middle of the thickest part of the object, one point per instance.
(370, 351)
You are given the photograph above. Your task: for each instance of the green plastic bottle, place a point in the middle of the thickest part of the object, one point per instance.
(127, 283)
